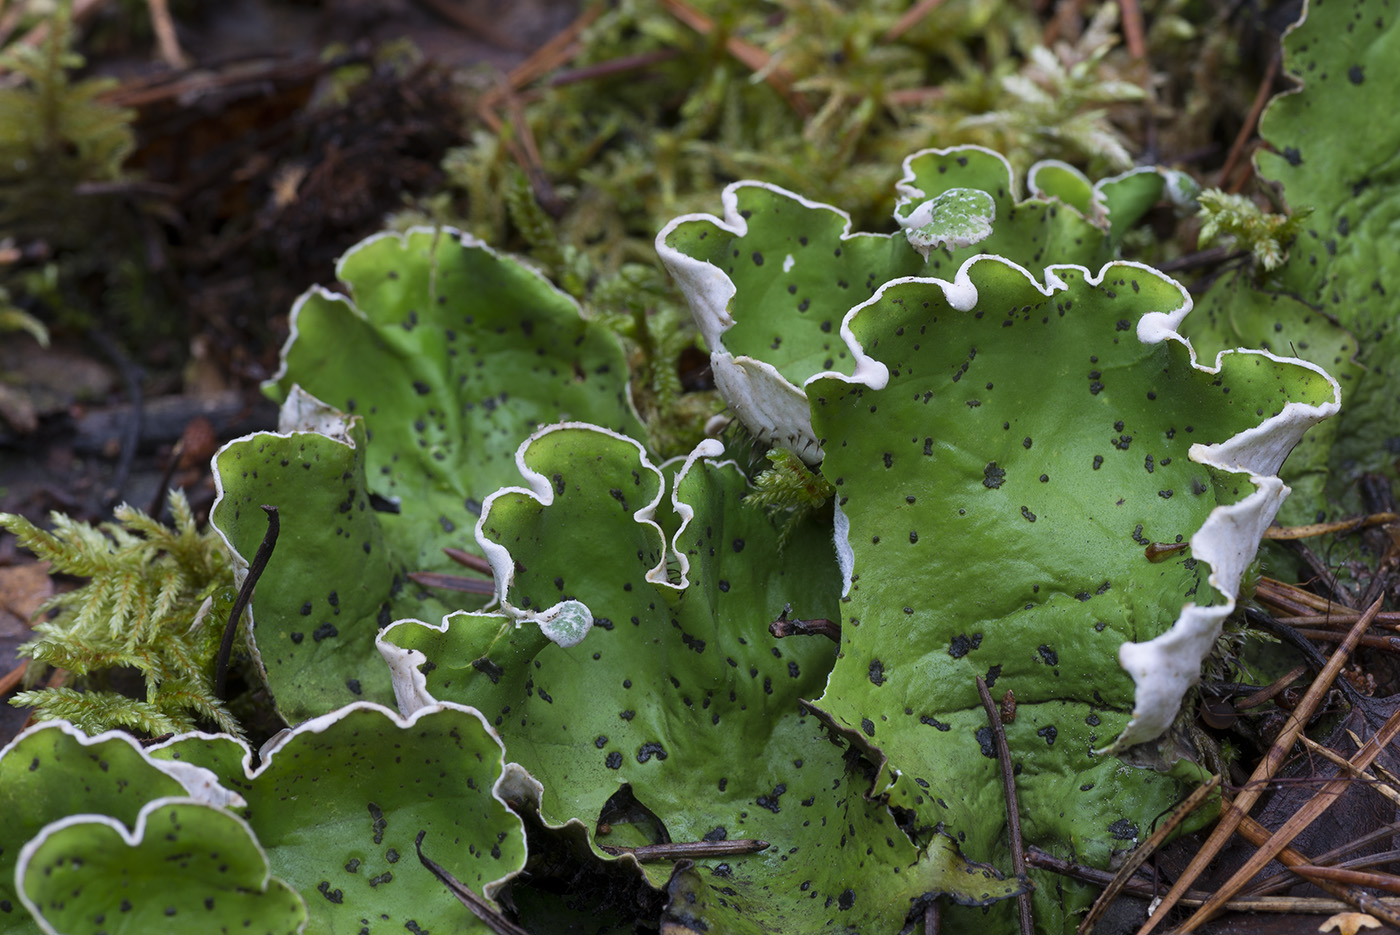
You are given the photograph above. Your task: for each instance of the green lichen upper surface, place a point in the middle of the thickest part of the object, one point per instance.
(679, 692)
(1050, 474)
(186, 867)
(445, 355)
(53, 772)
(770, 282)
(340, 803)
(1336, 150)
(336, 576)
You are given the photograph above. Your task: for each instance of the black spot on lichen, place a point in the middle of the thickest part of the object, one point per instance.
(1123, 830)
(984, 740)
(868, 726)
(1049, 655)
(877, 672)
(1355, 75)
(613, 760)
(770, 801)
(1049, 733)
(846, 900)
(1098, 462)
(1291, 154)
(489, 669)
(323, 631)
(1029, 516)
(993, 476)
(650, 749)
(961, 644)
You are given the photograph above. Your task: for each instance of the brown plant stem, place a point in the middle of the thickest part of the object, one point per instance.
(1013, 810)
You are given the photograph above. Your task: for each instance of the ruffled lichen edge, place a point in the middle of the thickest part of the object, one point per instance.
(1163, 669)
(767, 403)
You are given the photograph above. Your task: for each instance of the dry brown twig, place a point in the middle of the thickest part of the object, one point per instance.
(1134, 34)
(1322, 529)
(1143, 851)
(1319, 803)
(910, 19)
(745, 52)
(1258, 835)
(166, 39)
(1013, 809)
(1234, 814)
(1261, 97)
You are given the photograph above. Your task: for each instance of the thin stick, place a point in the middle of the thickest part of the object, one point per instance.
(533, 165)
(783, 627)
(1251, 120)
(468, 560)
(478, 906)
(560, 49)
(166, 39)
(747, 53)
(1386, 910)
(1145, 889)
(615, 66)
(1336, 758)
(1144, 851)
(446, 582)
(9, 19)
(472, 23)
(1238, 809)
(1389, 620)
(1319, 803)
(689, 850)
(914, 97)
(1269, 692)
(1320, 529)
(1013, 811)
(1133, 33)
(1380, 881)
(245, 594)
(910, 19)
(10, 680)
(1391, 643)
(933, 917)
